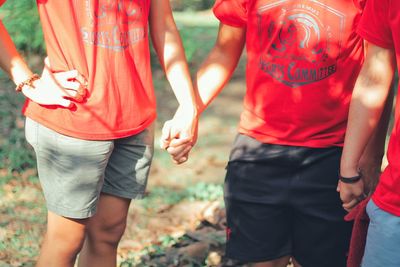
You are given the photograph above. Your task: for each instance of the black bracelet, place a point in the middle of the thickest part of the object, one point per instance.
(350, 180)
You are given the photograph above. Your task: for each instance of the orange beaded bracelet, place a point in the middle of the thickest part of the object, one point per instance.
(28, 82)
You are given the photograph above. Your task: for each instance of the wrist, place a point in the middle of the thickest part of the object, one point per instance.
(348, 168)
(29, 91)
(20, 71)
(191, 108)
(350, 179)
(29, 82)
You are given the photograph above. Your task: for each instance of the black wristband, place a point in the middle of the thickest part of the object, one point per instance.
(350, 180)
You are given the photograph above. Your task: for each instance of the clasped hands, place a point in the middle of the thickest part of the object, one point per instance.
(352, 194)
(180, 133)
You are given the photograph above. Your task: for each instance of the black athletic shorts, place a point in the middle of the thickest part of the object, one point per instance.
(282, 201)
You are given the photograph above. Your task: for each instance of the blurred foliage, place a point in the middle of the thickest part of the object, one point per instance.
(15, 154)
(182, 5)
(22, 21)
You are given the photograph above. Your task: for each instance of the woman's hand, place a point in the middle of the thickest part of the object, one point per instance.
(62, 88)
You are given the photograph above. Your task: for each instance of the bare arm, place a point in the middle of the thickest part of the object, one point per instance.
(51, 89)
(368, 101)
(10, 61)
(215, 72)
(182, 129)
(370, 162)
(218, 67)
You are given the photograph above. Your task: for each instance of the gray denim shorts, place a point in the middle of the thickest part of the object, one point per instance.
(73, 172)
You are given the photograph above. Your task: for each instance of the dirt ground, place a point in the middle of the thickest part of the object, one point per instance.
(202, 222)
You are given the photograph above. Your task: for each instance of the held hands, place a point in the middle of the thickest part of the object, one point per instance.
(60, 88)
(351, 193)
(180, 134)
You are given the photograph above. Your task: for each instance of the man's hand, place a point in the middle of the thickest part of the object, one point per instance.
(351, 194)
(180, 134)
(371, 170)
(57, 88)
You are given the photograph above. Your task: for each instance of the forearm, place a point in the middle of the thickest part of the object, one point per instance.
(10, 60)
(368, 101)
(212, 76)
(169, 48)
(218, 67)
(375, 149)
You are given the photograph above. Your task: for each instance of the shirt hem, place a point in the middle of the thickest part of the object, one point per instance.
(276, 141)
(91, 136)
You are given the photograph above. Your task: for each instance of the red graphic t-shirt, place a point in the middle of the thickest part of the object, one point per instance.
(107, 42)
(380, 25)
(303, 57)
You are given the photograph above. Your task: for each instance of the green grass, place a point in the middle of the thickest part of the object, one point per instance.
(198, 192)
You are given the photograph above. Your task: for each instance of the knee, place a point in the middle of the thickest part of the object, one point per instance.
(68, 243)
(108, 232)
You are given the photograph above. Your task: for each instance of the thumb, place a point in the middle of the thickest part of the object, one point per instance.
(165, 135)
(183, 139)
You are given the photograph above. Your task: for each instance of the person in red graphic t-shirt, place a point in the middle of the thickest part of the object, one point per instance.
(380, 27)
(90, 117)
(303, 58)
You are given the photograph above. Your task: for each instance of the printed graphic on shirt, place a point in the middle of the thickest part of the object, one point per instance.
(302, 44)
(113, 24)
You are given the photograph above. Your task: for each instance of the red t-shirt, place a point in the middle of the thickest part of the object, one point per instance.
(107, 42)
(380, 25)
(303, 58)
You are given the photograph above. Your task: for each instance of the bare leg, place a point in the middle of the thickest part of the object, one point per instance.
(62, 242)
(104, 231)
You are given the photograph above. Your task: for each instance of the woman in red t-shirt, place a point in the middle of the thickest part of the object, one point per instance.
(89, 117)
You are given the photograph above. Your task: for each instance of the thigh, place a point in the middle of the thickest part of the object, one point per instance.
(71, 170)
(383, 238)
(129, 165)
(256, 192)
(320, 235)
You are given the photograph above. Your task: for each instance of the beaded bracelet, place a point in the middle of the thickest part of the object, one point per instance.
(28, 82)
